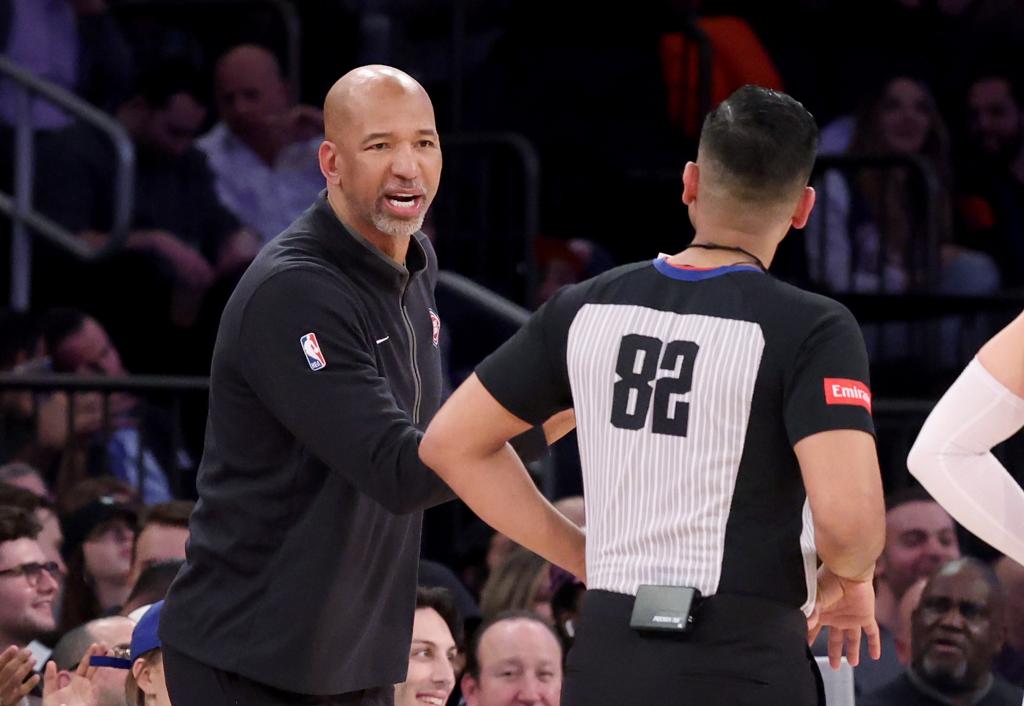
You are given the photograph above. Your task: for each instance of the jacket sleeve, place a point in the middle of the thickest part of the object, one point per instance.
(341, 410)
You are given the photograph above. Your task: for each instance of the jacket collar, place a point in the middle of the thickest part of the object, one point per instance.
(346, 248)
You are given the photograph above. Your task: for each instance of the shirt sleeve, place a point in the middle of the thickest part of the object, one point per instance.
(343, 412)
(528, 374)
(827, 386)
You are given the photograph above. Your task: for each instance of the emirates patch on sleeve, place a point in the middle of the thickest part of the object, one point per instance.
(845, 391)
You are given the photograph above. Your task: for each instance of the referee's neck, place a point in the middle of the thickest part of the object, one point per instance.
(729, 250)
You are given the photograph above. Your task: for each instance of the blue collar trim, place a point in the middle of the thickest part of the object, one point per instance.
(685, 275)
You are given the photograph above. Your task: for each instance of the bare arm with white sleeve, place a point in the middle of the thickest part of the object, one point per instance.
(952, 456)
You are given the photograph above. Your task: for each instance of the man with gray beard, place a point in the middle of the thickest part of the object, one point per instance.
(956, 632)
(300, 577)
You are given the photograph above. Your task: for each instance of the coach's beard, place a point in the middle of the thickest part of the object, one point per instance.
(397, 227)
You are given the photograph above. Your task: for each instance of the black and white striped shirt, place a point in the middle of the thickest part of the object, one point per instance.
(690, 389)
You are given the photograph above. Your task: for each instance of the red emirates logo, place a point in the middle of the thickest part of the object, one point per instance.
(844, 391)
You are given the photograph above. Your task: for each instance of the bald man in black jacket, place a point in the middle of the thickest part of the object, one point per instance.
(301, 573)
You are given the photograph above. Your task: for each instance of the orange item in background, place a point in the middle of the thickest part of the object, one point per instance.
(737, 58)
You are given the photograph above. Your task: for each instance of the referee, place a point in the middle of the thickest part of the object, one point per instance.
(724, 424)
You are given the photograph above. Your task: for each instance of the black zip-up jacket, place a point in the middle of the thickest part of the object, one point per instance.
(301, 569)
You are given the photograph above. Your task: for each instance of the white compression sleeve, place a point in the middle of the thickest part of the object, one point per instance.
(953, 461)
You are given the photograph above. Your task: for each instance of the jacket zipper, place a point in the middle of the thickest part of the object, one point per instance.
(412, 359)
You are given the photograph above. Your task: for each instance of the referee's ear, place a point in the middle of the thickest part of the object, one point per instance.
(804, 207)
(691, 177)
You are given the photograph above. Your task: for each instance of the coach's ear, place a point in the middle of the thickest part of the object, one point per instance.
(691, 177)
(328, 158)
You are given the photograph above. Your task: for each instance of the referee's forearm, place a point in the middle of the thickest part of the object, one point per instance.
(854, 560)
(499, 490)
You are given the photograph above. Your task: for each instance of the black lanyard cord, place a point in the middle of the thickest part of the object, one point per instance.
(734, 248)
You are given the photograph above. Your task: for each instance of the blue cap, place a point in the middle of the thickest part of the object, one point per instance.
(144, 639)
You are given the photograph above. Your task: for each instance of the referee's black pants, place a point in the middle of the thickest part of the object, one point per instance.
(192, 683)
(740, 651)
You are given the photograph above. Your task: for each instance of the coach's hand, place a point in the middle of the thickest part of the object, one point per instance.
(847, 608)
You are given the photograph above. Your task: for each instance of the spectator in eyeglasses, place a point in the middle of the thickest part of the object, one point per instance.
(51, 537)
(957, 630)
(108, 685)
(28, 589)
(144, 683)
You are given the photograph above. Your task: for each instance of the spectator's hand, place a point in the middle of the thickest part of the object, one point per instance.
(72, 689)
(52, 420)
(52, 424)
(120, 408)
(303, 122)
(238, 252)
(15, 683)
(847, 608)
(191, 268)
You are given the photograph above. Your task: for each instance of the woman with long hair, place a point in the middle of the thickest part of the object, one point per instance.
(521, 582)
(874, 226)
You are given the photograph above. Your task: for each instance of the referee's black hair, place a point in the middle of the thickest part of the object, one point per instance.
(472, 654)
(764, 141)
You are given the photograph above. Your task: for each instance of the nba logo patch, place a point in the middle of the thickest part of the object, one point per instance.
(435, 322)
(314, 356)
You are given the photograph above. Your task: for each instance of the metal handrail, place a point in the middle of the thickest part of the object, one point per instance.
(512, 314)
(501, 308)
(289, 18)
(19, 205)
(95, 383)
(531, 189)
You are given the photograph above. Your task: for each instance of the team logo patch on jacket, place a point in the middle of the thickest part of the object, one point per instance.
(314, 356)
(844, 391)
(435, 321)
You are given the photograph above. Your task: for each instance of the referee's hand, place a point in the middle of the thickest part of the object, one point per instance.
(847, 608)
